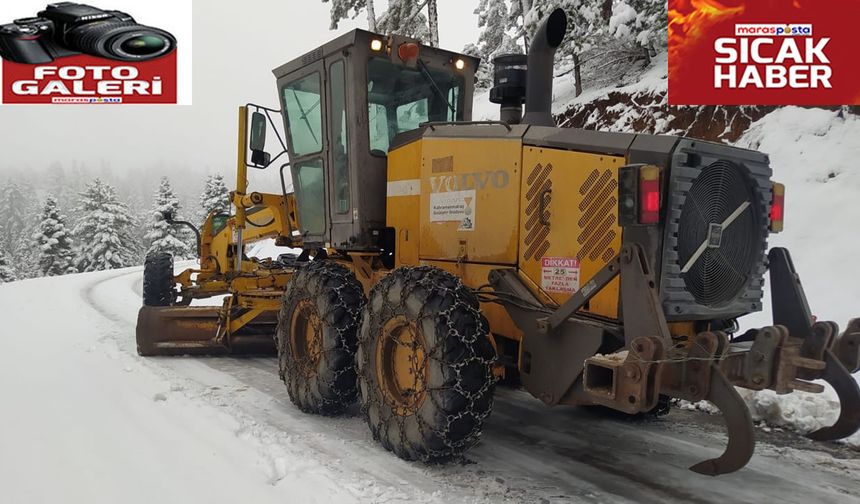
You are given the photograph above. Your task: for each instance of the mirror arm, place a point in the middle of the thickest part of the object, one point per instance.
(168, 218)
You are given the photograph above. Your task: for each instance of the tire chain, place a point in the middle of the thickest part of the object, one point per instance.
(332, 391)
(463, 357)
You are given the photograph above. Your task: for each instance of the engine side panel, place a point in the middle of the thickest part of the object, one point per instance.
(469, 199)
(569, 222)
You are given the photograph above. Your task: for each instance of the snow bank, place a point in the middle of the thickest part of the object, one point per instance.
(652, 79)
(267, 249)
(799, 411)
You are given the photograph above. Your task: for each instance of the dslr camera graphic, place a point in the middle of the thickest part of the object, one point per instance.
(69, 29)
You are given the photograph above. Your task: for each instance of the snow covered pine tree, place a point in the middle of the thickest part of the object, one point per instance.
(641, 22)
(343, 9)
(53, 241)
(493, 40)
(7, 274)
(103, 235)
(404, 17)
(215, 197)
(516, 21)
(13, 218)
(164, 237)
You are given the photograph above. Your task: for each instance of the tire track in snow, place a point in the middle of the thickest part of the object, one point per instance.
(529, 453)
(89, 299)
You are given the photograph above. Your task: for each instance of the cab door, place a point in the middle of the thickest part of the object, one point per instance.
(340, 199)
(303, 100)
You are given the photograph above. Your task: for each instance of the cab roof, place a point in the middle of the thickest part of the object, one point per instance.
(362, 38)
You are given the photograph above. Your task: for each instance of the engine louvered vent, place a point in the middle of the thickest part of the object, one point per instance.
(595, 225)
(719, 237)
(539, 186)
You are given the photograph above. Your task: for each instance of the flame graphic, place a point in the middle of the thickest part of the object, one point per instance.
(689, 20)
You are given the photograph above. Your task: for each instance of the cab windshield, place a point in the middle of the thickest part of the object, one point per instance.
(400, 99)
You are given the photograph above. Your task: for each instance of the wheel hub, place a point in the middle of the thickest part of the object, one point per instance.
(402, 366)
(306, 337)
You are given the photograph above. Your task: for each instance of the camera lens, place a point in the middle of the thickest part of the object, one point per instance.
(143, 45)
(123, 41)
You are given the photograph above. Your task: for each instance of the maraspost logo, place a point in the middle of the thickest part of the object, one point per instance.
(763, 52)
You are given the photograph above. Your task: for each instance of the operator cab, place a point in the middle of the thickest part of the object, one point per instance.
(344, 103)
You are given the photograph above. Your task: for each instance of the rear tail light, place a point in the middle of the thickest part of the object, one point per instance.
(649, 194)
(777, 208)
(639, 195)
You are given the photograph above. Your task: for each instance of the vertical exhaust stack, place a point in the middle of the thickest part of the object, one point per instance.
(541, 57)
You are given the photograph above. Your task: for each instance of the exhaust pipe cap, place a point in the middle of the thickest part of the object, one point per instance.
(548, 37)
(556, 28)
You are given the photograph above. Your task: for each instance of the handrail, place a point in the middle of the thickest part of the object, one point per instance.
(432, 124)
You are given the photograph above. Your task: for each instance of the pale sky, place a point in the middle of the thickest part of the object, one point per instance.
(236, 45)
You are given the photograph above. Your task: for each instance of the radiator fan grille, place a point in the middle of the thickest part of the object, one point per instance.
(725, 267)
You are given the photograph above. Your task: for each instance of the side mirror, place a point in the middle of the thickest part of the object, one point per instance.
(259, 156)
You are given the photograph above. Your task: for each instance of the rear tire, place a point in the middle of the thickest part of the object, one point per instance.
(425, 365)
(316, 337)
(158, 284)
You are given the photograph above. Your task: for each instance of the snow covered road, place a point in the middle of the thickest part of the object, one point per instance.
(87, 420)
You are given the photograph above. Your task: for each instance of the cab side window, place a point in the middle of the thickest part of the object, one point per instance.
(340, 143)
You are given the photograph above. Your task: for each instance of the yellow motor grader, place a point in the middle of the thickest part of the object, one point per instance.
(440, 254)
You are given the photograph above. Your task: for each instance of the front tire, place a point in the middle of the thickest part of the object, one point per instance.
(425, 365)
(316, 337)
(158, 285)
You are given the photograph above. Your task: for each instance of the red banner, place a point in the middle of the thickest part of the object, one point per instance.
(764, 52)
(88, 80)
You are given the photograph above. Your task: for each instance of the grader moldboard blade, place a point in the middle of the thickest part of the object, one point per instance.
(199, 330)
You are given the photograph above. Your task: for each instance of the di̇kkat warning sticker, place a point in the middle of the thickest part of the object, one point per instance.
(560, 275)
(454, 206)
